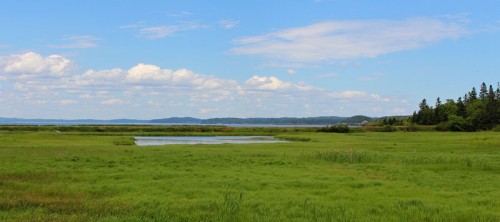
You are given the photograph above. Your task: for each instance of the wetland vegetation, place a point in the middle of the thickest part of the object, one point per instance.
(95, 173)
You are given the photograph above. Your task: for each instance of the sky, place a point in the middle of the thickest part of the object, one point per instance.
(155, 59)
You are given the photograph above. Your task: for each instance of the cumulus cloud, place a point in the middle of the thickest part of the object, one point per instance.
(267, 83)
(101, 77)
(350, 39)
(164, 92)
(181, 77)
(34, 63)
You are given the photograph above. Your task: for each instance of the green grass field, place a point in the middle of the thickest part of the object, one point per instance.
(402, 176)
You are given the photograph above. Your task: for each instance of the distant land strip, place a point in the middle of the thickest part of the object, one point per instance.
(321, 120)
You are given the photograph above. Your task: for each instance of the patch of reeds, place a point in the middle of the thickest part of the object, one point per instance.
(350, 157)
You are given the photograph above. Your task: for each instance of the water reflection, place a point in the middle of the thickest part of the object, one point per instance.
(168, 140)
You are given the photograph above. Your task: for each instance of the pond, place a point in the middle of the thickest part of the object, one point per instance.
(170, 140)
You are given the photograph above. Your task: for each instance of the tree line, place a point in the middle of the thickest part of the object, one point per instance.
(474, 111)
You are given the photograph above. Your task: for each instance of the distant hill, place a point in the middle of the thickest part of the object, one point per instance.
(16, 121)
(321, 120)
(357, 120)
(324, 120)
(186, 120)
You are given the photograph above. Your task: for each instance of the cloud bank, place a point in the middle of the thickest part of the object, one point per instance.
(150, 91)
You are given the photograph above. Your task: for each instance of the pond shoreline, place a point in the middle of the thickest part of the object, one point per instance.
(193, 140)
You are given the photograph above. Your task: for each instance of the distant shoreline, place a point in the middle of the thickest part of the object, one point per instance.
(174, 121)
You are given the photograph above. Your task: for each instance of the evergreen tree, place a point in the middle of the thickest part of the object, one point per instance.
(472, 95)
(497, 92)
(461, 111)
(491, 118)
(439, 112)
(483, 92)
(466, 98)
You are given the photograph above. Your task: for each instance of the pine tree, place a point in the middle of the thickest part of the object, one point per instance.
(461, 110)
(483, 92)
(438, 112)
(497, 92)
(473, 95)
(422, 115)
(423, 105)
(491, 118)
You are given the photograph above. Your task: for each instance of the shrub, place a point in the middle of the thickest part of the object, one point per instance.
(389, 128)
(335, 129)
(457, 123)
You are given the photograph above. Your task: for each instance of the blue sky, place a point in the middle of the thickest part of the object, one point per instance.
(154, 59)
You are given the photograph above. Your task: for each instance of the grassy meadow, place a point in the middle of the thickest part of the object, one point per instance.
(58, 175)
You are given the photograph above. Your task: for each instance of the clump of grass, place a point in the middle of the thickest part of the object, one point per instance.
(294, 138)
(126, 141)
(350, 157)
(231, 206)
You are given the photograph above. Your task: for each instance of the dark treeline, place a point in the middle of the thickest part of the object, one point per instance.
(474, 111)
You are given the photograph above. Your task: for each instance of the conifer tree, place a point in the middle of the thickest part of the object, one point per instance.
(491, 117)
(483, 92)
(497, 92)
(472, 95)
(461, 111)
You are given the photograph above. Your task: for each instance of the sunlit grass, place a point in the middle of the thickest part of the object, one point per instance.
(422, 176)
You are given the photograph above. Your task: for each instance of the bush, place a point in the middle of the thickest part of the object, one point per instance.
(409, 128)
(389, 128)
(457, 123)
(335, 129)
(444, 126)
(496, 129)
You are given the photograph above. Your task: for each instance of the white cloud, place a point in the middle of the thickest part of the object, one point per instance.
(66, 102)
(291, 72)
(205, 111)
(78, 42)
(153, 91)
(340, 40)
(146, 72)
(34, 63)
(228, 23)
(157, 32)
(349, 94)
(152, 74)
(162, 31)
(112, 102)
(267, 83)
(102, 77)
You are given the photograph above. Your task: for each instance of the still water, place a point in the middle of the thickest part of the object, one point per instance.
(168, 140)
